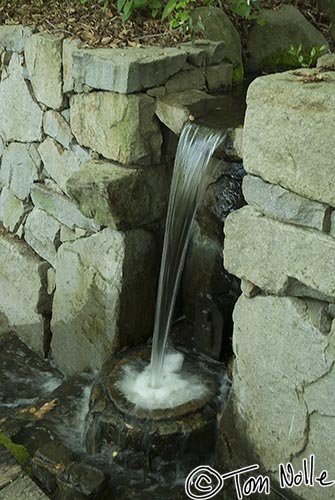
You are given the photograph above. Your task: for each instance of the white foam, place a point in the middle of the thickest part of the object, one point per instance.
(178, 386)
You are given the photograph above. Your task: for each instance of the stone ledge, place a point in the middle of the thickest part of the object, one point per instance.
(125, 70)
(281, 132)
(23, 291)
(104, 284)
(13, 38)
(282, 361)
(174, 110)
(61, 208)
(281, 204)
(43, 57)
(279, 258)
(119, 197)
(122, 127)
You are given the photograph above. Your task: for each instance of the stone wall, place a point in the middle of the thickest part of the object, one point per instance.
(282, 246)
(87, 137)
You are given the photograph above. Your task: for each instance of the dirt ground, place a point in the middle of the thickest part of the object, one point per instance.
(103, 27)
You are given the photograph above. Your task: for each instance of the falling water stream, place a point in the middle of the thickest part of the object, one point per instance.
(191, 176)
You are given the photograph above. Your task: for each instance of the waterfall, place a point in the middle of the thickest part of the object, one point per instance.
(191, 176)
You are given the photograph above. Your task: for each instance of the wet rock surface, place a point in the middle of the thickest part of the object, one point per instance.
(46, 414)
(167, 442)
(209, 291)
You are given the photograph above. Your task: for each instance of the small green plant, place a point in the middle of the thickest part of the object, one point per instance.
(245, 8)
(179, 11)
(305, 58)
(180, 16)
(127, 7)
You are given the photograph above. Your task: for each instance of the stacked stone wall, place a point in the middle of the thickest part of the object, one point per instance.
(86, 158)
(282, 247)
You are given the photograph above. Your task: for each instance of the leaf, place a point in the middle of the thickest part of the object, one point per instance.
(169, 7)
(138, 4)
(201, 26)
(134, 44)
(155, 4)
(127, 10)
(45, 409)
(120, 5)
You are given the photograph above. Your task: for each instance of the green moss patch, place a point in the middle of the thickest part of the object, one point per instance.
(19, 452)
(238, 74)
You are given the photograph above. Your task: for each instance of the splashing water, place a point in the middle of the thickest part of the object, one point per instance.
(178, 387)
(191, 176)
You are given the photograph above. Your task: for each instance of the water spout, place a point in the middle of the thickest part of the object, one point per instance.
(191, 176)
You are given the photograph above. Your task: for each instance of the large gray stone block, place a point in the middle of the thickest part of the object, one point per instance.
(218, 27)
(119, 197)
(125, 70)
(69, 47)
(20, 167)
(326, 62)
(56, 127)
(205, 52)
(13, 38)
(13, 211)
(219, 76)
(279, 258)
(42, 234)
(21, 116)
(43, 56)
(174, 110)
(284, 205)
(191, 78)
(60, 164)
(104, 299)
(23, 291)
(289, 126)
(283, 372)
(120, 127)
(61, 208)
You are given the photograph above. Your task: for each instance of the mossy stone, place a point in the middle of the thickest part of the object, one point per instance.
(238, 74)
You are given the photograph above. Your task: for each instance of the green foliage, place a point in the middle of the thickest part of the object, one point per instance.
(305, 58)
(179, 11)
(245, 8)
(127, 7)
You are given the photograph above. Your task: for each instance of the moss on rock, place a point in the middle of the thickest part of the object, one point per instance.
(19, 452)
(238, 74)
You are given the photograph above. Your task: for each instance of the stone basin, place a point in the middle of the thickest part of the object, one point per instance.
(169, 440)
